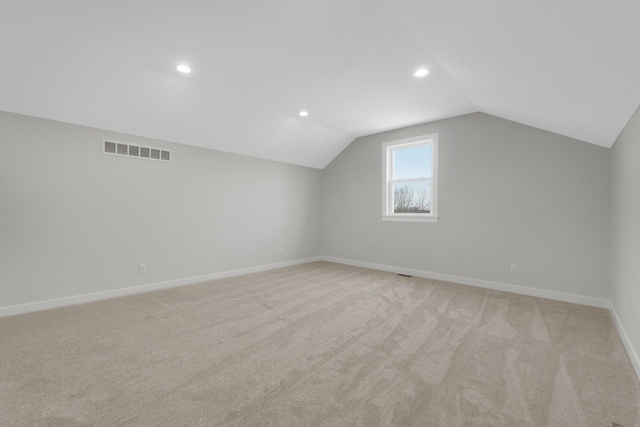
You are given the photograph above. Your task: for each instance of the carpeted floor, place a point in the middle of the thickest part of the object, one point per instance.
(319, 344)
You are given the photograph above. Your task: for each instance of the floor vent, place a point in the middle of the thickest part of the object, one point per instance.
(404, 275)
(115, 148)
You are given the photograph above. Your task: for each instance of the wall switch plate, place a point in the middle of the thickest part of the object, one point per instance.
(281, 251)
(355, 249)
(142, 268)
(514, 269)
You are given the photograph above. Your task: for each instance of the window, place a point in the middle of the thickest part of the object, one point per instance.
(410, 174)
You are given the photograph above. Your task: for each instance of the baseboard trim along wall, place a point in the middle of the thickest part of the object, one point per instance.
(631, 352)
(496, 286)
(97, 296)
(78, 299)
(523, 290)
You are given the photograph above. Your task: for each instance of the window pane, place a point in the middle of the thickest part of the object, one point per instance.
(412, 197)
(412, 162)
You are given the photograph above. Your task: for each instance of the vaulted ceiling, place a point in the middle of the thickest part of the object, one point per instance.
(566, 66)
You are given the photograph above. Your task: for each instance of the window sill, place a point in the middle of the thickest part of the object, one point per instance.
(409, 218)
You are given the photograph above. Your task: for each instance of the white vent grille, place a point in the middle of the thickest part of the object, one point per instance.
(122, 149)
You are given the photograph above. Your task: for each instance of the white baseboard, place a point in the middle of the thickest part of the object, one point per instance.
(96, 296)
(523, 290)
(631, 352)
(542, 293)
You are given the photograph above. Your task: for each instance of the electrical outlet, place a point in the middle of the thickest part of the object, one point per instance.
(281, 251)
(514, 269)
(142, 268)
(355, 249)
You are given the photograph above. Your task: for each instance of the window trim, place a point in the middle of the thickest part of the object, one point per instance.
(387, 169)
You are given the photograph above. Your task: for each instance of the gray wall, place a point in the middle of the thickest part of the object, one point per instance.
(508, 194)
(625, 229)
(74, 221)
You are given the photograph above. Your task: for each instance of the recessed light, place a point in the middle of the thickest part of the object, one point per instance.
(184, 69)
(421, 72)
(303, 113)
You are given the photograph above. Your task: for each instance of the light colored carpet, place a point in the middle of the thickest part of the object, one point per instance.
(319, 344)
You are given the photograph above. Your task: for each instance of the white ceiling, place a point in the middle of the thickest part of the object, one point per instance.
(570, 67)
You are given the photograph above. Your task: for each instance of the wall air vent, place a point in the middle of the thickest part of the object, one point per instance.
(122, 149)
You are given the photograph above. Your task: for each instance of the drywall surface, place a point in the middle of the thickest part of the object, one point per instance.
(508, 194)
(75, 221)
(625, 231)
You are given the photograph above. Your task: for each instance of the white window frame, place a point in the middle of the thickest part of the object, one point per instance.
(387, 182)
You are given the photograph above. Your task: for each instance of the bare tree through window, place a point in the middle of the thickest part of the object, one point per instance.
(405, 200)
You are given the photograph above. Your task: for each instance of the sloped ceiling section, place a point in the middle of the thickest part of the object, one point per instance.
(570, 68)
